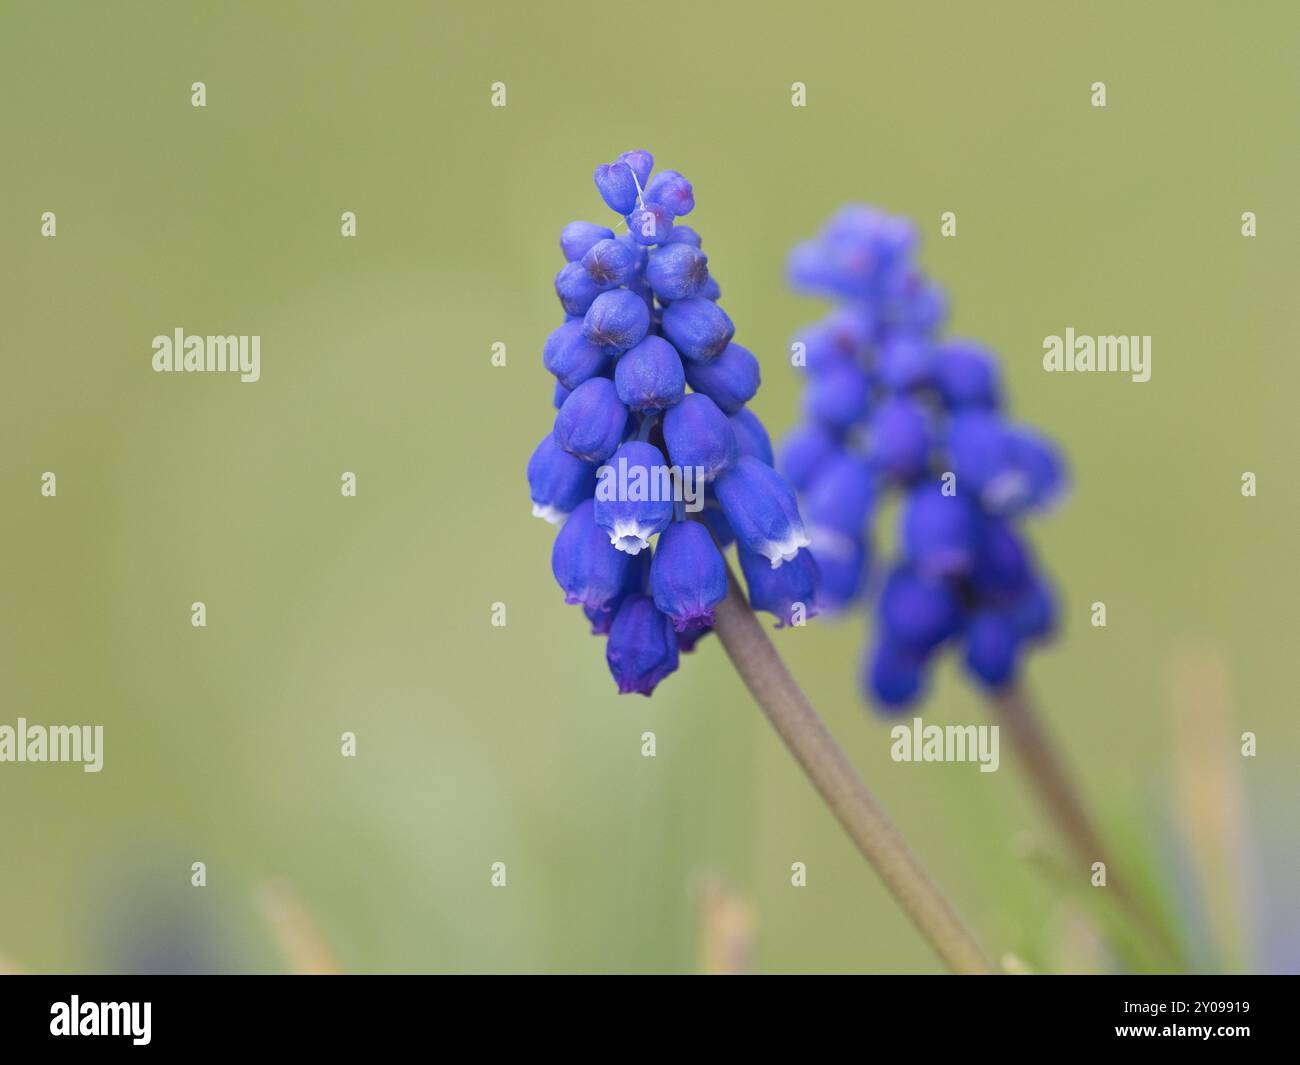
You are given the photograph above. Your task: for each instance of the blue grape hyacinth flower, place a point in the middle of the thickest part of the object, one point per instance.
(655, 462)
(894, 409)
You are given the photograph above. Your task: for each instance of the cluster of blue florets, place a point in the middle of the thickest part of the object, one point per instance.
(892, 405)
(642, 326)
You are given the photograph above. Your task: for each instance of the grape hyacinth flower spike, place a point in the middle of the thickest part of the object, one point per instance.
(655, 463)
(894, 407)
(653, 425)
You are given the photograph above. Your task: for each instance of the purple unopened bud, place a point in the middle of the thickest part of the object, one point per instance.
(589, 570)
(900, 439)
(650, 223)
(687, 575)
(723, 535)
(1001, 574)
(577, 238)
(592, 421)
(684, 235)
(803, 452)
(966, 376)
(557, 481)
(842, 563)
(731, 380)
(991, 645)
(698, 328)
(576, 289)
(699, 436)
(895, 675)
(570, 356)
(788, 593)
(839, 500)
(649, 378)
(642, 646)
(611, 262)
(761, 508)
(617, 186)
(673, 191)
(640, 162)
(677, 271)
(616, 321)
(751, 435)
(917, 612)
(839, 396)
(635, 583)
(906, 362)
(1034, 613)
(940, 533)
(1009, 469)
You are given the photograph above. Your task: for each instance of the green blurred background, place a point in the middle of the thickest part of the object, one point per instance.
(478, 744)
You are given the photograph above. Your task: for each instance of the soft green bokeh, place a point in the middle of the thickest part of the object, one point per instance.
(480, 744)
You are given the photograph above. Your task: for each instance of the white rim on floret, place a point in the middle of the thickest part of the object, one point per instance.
(779, 551)
(630, 536)
(550, 514)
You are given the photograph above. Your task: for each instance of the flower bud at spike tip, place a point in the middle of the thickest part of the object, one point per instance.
(640, 162)
(617, 186)
(673, 191)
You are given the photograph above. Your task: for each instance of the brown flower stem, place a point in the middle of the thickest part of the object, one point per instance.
(1055, 789)
(839, 784)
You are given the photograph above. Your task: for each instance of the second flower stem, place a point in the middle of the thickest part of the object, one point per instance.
(839, 784)
(1050, 780)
